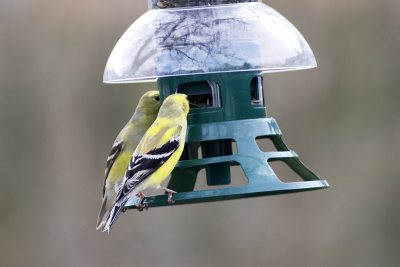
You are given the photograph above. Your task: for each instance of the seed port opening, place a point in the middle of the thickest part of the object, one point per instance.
(256, 91)
(203, 94)
(284, 171)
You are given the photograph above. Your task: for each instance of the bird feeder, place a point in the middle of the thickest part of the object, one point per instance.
(216, 51)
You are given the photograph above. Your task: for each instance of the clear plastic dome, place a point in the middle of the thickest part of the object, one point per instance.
(207, 39)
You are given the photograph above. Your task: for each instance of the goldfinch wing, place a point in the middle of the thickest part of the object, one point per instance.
(114, 154)
(143, 165)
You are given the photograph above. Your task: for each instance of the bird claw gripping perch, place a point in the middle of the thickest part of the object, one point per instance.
(139, 205)
(170, 192)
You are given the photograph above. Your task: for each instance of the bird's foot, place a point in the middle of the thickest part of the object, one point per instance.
(140, 206)
(170, 192)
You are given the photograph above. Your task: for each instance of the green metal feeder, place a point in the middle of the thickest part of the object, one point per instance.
(216, 51)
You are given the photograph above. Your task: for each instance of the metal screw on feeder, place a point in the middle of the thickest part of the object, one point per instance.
(216, 51)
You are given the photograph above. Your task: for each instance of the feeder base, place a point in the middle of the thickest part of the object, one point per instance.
(262, 180)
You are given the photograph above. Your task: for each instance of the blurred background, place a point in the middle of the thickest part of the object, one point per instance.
(58, 121)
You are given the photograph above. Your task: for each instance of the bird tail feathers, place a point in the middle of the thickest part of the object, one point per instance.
(101, 220)
(113, 215)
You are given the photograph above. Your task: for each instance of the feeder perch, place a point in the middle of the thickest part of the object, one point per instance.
(216, 51)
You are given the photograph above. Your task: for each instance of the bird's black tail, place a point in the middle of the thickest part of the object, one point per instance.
(113, 215)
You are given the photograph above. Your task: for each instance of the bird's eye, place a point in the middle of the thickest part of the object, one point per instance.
(157, 98)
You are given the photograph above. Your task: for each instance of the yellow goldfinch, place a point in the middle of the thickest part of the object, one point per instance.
(123, 147)
(156, 155)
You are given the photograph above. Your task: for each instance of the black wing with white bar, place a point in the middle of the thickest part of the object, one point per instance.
(141, 167)
(115, 151)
